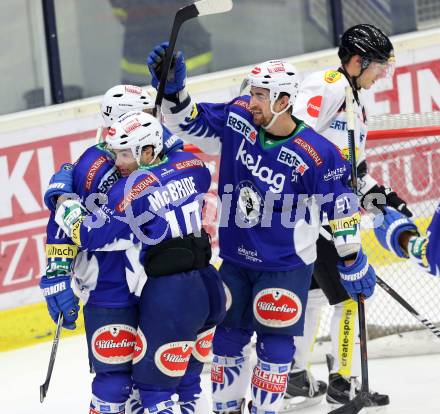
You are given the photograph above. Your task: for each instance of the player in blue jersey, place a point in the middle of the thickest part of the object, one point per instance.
(157, 210)
(102, 281)
(399, 235)
(276, 178)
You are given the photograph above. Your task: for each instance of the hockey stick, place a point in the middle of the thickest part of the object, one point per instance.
(395, 295)
(424, 321)
(363, 398)
(199, 8)
(44, 387)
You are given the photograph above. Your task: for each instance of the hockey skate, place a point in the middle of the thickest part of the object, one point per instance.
(341, 390)
(302, 391)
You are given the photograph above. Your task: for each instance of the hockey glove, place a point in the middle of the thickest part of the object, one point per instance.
(60, 183)
(391, 200)
(177, 74)
(393, 225)
(171, 142)
(60, 298)
(69, 215)
(359, 277)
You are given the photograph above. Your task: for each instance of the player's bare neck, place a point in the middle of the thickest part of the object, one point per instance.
(283, 126)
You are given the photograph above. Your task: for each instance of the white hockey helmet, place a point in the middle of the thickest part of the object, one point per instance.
(277, 76)
(135, 130)
(123, 98)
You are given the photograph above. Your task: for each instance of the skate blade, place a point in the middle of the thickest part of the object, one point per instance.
(365, 410)
(293, 404)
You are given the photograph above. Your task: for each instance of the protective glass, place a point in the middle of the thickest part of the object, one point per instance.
(384, 69)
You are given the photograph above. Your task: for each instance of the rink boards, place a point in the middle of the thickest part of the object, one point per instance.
(33, 143)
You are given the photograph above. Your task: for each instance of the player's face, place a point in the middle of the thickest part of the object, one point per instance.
(374, 72)
(259, 105)
(125, 162)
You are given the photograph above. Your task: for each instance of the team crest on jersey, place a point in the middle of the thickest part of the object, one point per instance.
(292, 159)
(173, 358)
(332, 76)
(250, 203)
(276, 307)
(140, 347)
(203, 345)
(243, 127)
(114, 344)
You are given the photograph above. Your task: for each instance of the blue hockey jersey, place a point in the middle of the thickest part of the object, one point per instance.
(153, 204)
(273, 191)
(92, 272)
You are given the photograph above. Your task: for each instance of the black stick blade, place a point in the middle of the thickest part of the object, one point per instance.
(43, 390)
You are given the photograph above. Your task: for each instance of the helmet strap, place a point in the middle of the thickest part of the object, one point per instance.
(275, 114)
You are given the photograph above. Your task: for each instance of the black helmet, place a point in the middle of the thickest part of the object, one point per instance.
(367, 41)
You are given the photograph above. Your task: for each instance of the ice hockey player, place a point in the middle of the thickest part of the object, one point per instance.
(99, 286)
(159, 209)
(366, 55)
(268, 245)
(399, 235)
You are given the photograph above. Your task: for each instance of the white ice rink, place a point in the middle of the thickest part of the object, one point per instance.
(413, 383)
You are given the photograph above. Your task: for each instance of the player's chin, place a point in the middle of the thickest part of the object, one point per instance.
(258, 119)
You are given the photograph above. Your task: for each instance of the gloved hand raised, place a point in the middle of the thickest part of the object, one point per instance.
(60, 183)
(177, 74)
(60, 298)
(358, 277)
(389, 232)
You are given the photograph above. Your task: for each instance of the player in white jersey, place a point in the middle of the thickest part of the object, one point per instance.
(366, 56)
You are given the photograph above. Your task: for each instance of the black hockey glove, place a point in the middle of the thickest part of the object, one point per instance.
(392, 200)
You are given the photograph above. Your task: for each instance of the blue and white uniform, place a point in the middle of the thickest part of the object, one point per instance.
(177, 312)
(273, 192)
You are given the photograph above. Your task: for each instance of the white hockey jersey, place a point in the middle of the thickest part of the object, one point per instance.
(321, 104)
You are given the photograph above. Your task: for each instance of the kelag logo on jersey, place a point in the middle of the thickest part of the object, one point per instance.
(262, 172)
(292, 159)
(243, 127)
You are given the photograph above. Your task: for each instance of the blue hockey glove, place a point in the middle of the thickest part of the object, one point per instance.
(177, 74)
(171, 142)
(60, 298)
(358, 277)
(388, 233)
(60, 183)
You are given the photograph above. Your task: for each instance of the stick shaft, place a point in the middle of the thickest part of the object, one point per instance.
(44, 387)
